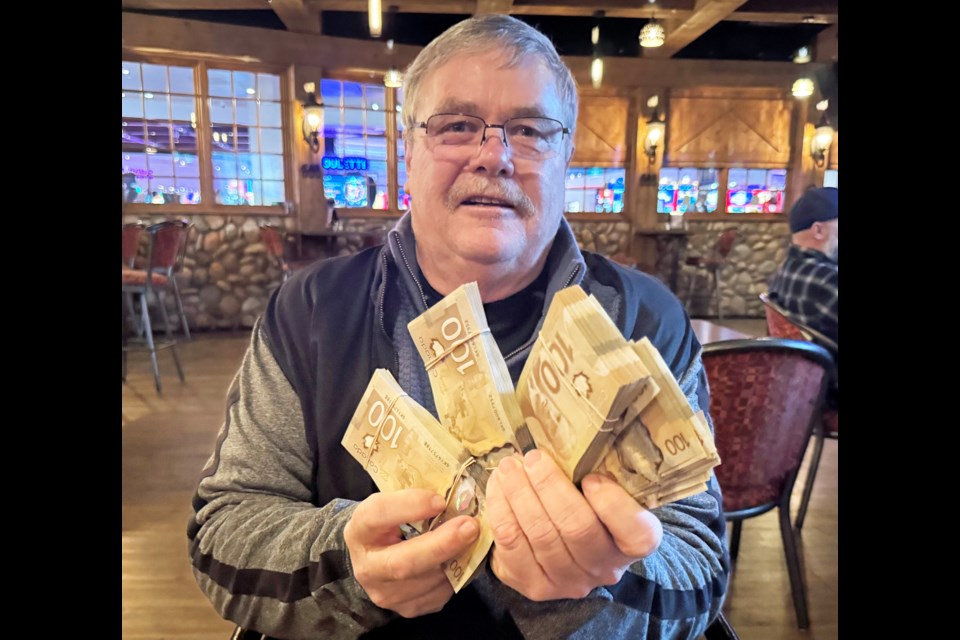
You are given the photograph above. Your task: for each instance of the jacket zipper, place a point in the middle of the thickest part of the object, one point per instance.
(533, 339)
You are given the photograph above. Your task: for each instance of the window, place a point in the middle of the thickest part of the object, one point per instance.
(688, 190)
(355, 144)
(694, 190)
(158, 143)
(161, 161)
(594, 190)
(831, 178)
(755, 190)
(403, 198)
(246, 129)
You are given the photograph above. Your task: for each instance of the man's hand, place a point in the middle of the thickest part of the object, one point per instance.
(405, 575)
(551, 541)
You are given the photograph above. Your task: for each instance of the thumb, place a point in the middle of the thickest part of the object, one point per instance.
(378, 517)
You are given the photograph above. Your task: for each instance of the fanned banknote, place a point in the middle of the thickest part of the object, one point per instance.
(402, 446)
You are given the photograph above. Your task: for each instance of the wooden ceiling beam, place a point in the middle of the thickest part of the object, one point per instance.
(706, 15)
(493, 6)
(782, 17)
(193, 5)
(297, 16)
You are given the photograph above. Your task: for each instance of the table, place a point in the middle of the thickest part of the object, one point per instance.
(671, 244)
(711, 332)
(326, 243)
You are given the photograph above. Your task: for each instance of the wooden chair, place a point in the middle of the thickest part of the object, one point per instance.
(711, 263)
(781, 325)
(766, 397)
(164, 255)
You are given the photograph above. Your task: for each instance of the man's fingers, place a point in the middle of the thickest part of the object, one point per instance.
(583, 534)
(426, 552)
(379, 517)
(636, 531)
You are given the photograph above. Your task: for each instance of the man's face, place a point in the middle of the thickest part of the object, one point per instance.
(483, 205)
(831, 246)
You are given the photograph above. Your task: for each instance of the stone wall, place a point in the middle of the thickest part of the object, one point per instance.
(228, 276)
(758, 251)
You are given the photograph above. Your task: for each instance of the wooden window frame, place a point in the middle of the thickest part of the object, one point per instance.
(208, 204)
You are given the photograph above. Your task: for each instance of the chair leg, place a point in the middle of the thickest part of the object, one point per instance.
(162, 303)
(183, 316)
(798, 586)
(811, 475)
(148, 335)
(131, 313)
(717, 292)
(735, 540)
(688, 303)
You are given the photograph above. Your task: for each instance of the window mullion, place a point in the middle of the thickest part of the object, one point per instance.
(204, 150)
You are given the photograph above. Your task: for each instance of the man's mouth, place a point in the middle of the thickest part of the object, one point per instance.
(486, 201)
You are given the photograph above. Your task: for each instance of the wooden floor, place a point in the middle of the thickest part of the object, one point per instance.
(165, 442)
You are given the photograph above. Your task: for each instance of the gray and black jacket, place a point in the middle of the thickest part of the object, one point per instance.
(266, 537)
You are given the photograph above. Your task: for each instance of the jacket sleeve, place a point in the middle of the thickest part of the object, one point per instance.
(266, 556)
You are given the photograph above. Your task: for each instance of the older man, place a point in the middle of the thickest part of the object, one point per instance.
(807, 284)
(290, 538)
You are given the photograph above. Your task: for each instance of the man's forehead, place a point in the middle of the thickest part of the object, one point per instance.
(450, 89)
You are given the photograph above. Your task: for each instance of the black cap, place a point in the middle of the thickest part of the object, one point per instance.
(816, 205)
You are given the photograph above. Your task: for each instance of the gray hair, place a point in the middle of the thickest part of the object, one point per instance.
(479, 34)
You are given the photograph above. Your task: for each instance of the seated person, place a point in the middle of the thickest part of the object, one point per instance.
(807, 283)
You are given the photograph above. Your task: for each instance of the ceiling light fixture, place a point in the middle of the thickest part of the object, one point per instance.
(596, 67)
(652, 34)
(374, 18)
(802, 56)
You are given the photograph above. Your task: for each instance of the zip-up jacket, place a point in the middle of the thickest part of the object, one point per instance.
(266, 537)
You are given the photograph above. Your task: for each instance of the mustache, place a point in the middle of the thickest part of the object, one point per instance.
(499, 189)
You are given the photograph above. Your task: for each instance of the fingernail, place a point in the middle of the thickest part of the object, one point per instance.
(468, 529)
(590, 483)
(437, 503)
(531, 458)
(508, 465)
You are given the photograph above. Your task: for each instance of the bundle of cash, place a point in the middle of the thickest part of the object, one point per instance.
(402, 446)
(471, 385)
(667, 452)
(579, 383)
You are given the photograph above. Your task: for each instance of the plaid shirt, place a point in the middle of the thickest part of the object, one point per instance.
(807, 285)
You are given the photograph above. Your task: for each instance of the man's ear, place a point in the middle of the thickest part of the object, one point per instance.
(570, 154)
(407, 155)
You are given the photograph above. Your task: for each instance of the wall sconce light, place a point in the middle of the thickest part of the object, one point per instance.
(392, 78)
(374, 18)
(822, 137)
(655, 130)
(312, 117)
(802, 88)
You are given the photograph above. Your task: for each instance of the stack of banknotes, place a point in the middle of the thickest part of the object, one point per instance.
(593, 400)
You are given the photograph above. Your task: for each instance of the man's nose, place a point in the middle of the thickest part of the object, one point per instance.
(495, 157)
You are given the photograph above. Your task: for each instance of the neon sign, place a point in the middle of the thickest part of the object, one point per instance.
(344, 164)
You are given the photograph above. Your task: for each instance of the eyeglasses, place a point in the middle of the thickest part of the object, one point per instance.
(533, 138)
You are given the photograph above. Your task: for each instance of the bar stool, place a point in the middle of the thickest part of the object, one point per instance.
(711, 264)
(164, 255)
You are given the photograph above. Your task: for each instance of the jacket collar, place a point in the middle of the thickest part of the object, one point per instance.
(565, 263)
